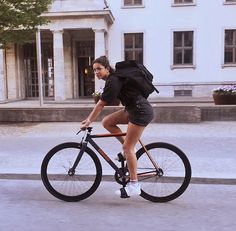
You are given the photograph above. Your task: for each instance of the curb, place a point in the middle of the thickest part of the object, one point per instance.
(110, 178)
(182, 113)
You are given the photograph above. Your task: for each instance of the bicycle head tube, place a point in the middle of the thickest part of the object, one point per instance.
(89, 129)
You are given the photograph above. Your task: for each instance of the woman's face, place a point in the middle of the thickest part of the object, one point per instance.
(100, 71)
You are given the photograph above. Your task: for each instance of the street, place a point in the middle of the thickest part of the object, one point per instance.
(210, 146)
(26, 204)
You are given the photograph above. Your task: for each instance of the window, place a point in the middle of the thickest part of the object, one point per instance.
(133, 2)
(31, 72)
(230, 47)
(230, 2)
(182, 1)
(183, 48)
(133, 44)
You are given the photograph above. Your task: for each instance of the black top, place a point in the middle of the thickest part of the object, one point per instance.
(115, 87)
(112, 88)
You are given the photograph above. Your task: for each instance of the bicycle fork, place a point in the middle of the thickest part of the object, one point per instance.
(83, 144)
(71, 171)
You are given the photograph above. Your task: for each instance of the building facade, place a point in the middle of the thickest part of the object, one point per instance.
(188, 45)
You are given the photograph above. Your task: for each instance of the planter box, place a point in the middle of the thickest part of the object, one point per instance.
(224, 99)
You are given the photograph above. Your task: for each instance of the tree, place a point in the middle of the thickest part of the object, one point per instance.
(19, 19)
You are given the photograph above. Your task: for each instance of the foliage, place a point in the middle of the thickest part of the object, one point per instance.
(98, 93)
(225, 90)
(19, 19)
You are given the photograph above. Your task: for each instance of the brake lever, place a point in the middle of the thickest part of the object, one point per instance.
(80, 131)
(88, 129)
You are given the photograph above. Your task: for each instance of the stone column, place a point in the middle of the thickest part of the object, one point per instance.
(59, 70)
(2, 77)
(99, 51)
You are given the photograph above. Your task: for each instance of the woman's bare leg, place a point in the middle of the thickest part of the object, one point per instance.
(134, 133)
(110, 122)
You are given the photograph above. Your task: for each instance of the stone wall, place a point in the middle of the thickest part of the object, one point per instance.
(170, 114)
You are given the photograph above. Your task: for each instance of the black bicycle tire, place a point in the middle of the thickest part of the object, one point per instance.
(186, 164)
(57, 194)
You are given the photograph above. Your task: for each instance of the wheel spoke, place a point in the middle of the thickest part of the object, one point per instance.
(70, 187)
(174, 176)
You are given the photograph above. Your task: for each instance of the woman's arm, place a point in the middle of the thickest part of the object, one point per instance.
(94, 114)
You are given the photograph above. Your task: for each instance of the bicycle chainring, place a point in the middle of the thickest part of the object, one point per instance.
(122, 180)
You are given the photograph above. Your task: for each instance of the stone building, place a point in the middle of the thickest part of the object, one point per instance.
(188, 45)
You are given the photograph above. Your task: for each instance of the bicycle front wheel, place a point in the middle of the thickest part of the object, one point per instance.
(169, 178)
(59, 181)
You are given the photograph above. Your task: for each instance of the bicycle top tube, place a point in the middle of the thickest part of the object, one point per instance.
(89, 129)
(108, 135)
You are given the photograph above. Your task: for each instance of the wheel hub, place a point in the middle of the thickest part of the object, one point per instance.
(160, 172)
(71, 172)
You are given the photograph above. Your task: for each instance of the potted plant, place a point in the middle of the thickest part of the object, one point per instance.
(97, 95)
(225, 95)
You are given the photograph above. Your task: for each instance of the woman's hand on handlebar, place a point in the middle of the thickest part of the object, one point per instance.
(85, 124)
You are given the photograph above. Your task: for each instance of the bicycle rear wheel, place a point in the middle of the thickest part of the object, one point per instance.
(71, 187)
(173, 175)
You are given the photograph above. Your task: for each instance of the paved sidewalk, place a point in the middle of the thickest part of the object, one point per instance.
(210, 147)
(180, 101)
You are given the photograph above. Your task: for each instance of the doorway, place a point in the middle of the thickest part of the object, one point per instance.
(31, 72)
(86, 79)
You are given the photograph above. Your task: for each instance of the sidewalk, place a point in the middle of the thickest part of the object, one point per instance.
(210, 147)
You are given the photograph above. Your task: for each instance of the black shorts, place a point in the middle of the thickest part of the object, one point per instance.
(141, 113)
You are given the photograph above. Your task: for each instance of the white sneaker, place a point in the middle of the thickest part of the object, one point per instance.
(131, 189)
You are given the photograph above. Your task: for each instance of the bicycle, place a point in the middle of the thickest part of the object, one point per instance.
(72, 171)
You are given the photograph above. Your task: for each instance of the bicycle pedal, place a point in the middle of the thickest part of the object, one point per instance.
(120, 157)
(123, 194)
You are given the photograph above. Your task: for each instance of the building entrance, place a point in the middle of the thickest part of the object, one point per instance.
(31, 73)
(86, 81)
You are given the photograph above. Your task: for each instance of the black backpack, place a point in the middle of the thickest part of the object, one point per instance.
(137, 76)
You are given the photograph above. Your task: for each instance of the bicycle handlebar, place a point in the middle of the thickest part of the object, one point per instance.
(79, 131)
(84, 129)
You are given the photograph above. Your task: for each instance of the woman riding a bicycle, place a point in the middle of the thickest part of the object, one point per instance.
(138, 113)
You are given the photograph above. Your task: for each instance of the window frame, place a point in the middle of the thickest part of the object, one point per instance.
(183, 66)
(123, 42)
(233, 64)
(132, 5)
(229, 3)
(183, 4)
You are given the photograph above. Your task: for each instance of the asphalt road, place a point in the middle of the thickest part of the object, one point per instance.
(27, 206)
(210, 146)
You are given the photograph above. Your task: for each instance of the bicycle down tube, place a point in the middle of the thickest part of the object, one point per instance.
(89, 139)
